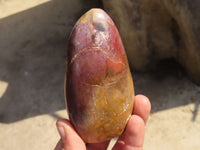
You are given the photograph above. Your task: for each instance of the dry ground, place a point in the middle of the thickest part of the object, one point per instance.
(33, 38)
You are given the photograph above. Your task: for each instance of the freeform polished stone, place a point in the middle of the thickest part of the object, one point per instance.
(99, 88)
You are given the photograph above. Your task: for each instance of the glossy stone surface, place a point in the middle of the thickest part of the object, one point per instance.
(99, 88)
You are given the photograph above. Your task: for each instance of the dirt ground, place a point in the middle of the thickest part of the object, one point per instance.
(33, 39)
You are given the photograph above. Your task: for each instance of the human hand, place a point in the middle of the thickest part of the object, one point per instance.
(131, 139)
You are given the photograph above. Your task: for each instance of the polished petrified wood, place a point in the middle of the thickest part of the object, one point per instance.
(99, 88)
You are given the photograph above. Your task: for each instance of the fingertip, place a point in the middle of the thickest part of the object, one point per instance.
(135, 131)
(64, 123)
(61, 131)
(134, 125)
(145, 100)
(133, 136)
(69, 137)
(142, 107)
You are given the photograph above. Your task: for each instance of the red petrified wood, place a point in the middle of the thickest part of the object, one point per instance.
(99, 88)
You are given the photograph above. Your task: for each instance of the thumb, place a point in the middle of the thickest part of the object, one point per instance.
(70, 140)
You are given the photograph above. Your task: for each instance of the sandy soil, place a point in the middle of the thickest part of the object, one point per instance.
(33, 38)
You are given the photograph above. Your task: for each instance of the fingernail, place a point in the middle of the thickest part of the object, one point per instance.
(61, 132)
(146, 99)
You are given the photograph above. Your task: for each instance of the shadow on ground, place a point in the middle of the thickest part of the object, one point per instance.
(32, 57)
(168, 86)
(32, 61)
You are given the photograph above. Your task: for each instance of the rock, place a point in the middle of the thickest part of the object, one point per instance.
(99, 87)
(153, 30)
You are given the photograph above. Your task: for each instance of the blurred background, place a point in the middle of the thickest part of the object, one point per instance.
(33, 42)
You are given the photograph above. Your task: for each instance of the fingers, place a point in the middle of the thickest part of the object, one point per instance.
(142, 107)
(133, 136)
(97, 146)
(70, 140)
